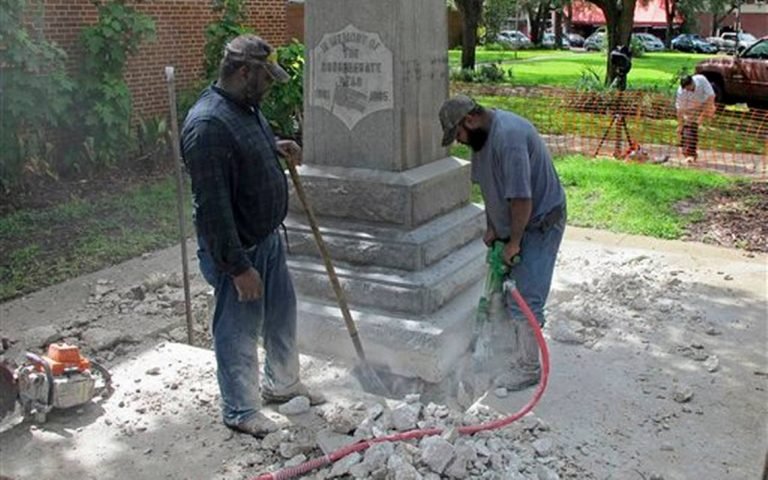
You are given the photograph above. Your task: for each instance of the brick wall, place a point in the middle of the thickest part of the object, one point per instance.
(180, 26)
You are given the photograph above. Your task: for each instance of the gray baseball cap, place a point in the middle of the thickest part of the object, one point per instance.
(249, 48)
(452, 113)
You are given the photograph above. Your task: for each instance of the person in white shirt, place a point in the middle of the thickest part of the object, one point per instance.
(695, 101)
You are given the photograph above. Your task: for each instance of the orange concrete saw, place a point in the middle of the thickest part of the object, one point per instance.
(61, 379)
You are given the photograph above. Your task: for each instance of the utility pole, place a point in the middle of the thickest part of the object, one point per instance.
(738, 21)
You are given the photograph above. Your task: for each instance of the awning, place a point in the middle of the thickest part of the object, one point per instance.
(651, 15)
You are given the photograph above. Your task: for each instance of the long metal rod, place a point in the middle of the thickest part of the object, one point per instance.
(170, 77)
(351, 327)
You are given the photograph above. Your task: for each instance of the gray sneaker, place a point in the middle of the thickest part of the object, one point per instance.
(517, 380)
(258, 425)
(298, 390)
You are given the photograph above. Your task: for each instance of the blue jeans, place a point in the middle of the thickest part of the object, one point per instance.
(237, 326)
(533, 275)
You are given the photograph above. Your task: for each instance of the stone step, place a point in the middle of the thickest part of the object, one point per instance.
(361, 243)
(425, 347)
(413, 293)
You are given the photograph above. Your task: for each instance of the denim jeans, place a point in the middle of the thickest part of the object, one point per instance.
(533, 275)
(237, 326)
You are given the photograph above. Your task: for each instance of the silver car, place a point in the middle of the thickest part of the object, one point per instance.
(652, 43)
(514, 38)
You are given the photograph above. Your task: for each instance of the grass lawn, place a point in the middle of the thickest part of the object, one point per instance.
(564, 68)
(627, 198)
(42, 247)
(719, 135)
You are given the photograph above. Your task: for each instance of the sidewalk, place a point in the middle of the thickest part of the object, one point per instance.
(659, 367)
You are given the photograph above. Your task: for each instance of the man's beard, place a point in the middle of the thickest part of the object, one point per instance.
(476, 138)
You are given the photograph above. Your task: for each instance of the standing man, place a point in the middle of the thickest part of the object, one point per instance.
(240, 198)
(695, 101)
(524, 205)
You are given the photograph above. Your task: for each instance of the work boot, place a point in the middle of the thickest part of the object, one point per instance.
(258, 425)
(527, 370)
(298, 390)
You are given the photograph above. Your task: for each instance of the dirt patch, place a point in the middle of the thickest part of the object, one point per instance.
(735, 217)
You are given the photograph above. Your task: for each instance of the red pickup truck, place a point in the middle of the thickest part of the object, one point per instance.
(740, 78)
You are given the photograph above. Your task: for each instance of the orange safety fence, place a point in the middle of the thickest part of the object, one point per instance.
(638, 126)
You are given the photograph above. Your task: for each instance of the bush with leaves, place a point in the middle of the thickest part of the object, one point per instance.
(486, 73)
(284, 104)
(36, 95)
(104, 99)
(217, 34)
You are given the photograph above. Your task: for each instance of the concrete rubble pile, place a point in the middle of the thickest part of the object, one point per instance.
(521, 452)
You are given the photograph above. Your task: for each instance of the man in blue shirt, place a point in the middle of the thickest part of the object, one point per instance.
(240, 196)
(524, 205)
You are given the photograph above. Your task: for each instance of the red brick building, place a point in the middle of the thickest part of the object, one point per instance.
(180, 26)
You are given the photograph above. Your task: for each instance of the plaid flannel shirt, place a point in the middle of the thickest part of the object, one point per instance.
(239, 188)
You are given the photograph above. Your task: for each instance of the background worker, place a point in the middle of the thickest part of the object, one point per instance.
(525, 208)
(694, 102)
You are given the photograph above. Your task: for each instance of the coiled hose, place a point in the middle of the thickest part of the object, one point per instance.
(319, 462)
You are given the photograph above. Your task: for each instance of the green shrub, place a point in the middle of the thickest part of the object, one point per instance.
(103, 99)
(36, 96)
(217, 34)
(284, 104)
(486, 73)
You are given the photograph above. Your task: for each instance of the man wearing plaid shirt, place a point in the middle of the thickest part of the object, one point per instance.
(240, 196)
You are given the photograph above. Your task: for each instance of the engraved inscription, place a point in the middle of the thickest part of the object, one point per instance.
(351, 75)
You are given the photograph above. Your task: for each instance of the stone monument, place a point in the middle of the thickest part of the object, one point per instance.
(393, 206)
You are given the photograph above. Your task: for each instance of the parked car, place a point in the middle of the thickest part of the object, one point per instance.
(514, 39)
(596, 41)
(740, 78)
(732, 42)
(575, 39)
(691, 42)
(650, 42)
(548, 40)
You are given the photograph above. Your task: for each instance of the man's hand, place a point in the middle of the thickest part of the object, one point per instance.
(249, 286)
(290, 151)
(511, 250)
(489, 237)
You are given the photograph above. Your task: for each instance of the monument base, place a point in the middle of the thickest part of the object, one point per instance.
(426, 347)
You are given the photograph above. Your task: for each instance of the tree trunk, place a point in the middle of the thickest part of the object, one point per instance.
(619, 18)
(568, 18)
(558, 29)
(670, 10)
(470, 12)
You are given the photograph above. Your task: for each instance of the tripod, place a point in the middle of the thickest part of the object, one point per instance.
(619, 121)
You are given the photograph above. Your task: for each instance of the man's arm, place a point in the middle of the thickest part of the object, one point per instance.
(520, 210)
(207, 150)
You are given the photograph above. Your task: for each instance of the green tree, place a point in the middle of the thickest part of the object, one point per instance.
(471, 14)
(217, 34)
(35, 93)
(495, 14)
(720, 9)
(104, 100)
(619, 19)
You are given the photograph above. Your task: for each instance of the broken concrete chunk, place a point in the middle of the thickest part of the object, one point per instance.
(342, 467)
(99, 338)
(543, 447)
(400, 469)
(545, 473)
(683, 394)
(405, 416)
(343, 420)
(712, 363)
(436, 453)
(376, 456)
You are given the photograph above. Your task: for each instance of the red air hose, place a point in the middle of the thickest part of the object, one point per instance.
(332, 457)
